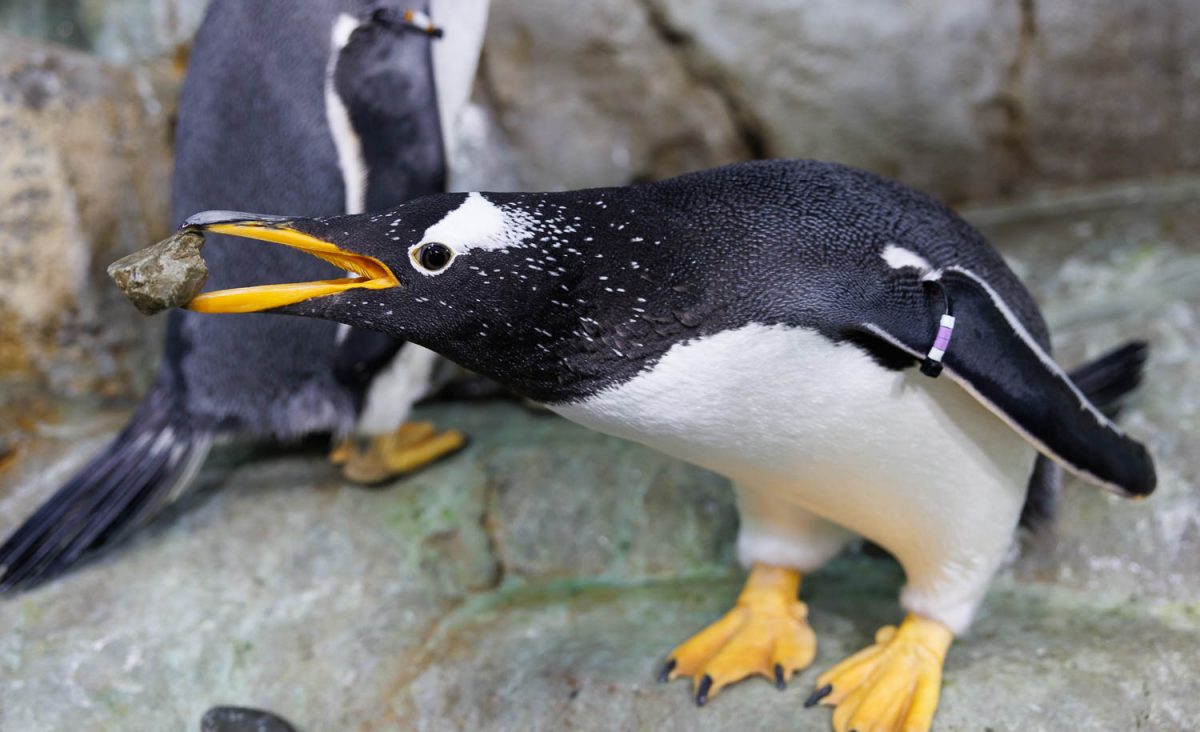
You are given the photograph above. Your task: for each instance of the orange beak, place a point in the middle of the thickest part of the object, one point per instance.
(370, 273)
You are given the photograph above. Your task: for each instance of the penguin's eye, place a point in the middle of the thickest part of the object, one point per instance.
(434, 256)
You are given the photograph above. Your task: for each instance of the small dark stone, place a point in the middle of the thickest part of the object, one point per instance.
(164, 276)
(242, 719)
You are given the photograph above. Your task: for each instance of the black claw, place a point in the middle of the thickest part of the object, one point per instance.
(702, 693)
(779, 682)
(818, 695)
(665, 674)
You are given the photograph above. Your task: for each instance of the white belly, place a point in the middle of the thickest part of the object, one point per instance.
(912, 463)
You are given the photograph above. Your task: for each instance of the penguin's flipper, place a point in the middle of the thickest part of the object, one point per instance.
(150, 464)
(993, 357)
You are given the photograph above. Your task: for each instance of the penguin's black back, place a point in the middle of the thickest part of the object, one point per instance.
(787, 242)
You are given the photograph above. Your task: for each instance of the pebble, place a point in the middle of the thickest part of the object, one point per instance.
(163, 276)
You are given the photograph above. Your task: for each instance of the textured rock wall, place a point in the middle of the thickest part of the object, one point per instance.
(590, 98)
(117, 30)
(969, 100)
(84, 167)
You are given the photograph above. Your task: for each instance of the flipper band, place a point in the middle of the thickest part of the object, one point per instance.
(945, 330)
(933, 364)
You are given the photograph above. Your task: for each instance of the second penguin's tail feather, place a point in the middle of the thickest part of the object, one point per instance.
(1107, 379)
(150, 464)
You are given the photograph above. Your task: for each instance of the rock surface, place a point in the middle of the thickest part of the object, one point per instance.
(1101, 95)
(84, 166)
(968, 100)
(904, 89)
(117, 30)
(536, 580)
(598, 97)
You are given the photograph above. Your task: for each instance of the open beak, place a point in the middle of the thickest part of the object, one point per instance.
(369, 273)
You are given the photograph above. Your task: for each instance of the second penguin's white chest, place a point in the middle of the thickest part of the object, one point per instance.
(821, 424)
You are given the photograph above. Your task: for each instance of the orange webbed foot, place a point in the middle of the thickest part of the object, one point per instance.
(411, 447)
(766, 633)
(891, 686)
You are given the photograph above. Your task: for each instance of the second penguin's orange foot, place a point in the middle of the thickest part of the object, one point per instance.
(411, 447)
(766, 633)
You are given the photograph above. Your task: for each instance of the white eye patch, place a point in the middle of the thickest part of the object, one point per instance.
(477, 223)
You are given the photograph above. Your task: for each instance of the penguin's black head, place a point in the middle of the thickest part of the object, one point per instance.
(416, 272)
(531, 289)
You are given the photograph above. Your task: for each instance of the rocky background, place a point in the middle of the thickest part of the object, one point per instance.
(536, 580)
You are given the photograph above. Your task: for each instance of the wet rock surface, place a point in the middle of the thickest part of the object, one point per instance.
(537, 579)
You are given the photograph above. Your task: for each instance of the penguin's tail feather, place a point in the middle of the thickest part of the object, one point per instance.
(150, 464)
(1106, 380)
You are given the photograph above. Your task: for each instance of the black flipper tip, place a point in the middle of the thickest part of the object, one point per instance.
(665, 674)
(779, 682)
(702, 692)
(818, 695)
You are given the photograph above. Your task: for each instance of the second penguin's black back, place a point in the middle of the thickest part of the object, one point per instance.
(259, 130)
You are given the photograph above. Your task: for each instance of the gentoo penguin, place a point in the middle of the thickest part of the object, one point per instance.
(783, 323)
(317, 108)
